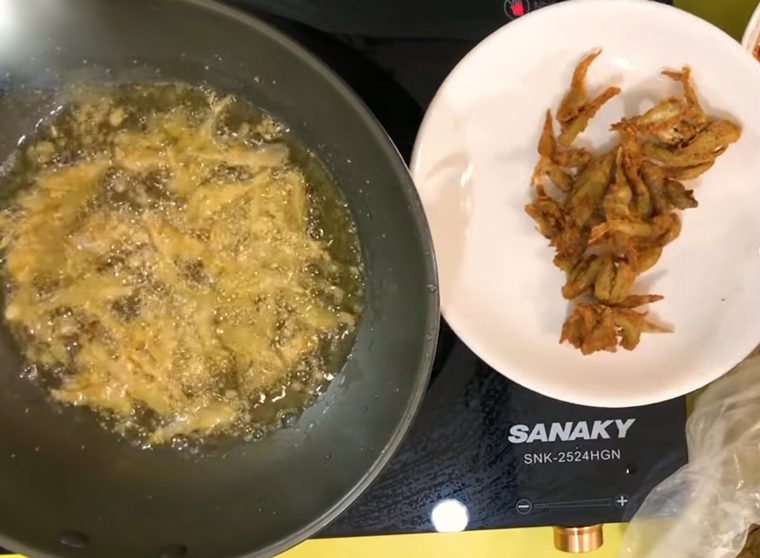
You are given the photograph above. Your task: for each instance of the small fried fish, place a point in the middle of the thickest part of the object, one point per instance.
(622, 208)
(590, 188)
(655, 178)
(689, 173)
(583, 276)
(703, 149)
(679, 196)
(614, 281)
(572, 158)
(576, 97)
(617, 202)
(635, 301)
(577, 125)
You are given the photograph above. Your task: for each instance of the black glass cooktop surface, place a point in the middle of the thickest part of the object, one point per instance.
(486, 453)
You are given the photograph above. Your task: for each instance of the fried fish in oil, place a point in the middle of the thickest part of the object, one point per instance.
(615, 214)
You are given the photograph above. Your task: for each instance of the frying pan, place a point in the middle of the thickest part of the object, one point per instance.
(71, 488)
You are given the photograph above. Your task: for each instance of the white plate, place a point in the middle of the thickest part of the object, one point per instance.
(472, 165)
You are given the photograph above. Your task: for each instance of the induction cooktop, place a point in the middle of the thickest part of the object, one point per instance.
(483, 452)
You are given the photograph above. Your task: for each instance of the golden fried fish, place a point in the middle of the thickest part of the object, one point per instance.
(614, 214)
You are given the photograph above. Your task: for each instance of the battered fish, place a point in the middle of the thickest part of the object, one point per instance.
(614, 214)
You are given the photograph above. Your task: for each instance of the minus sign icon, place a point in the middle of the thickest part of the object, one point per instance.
(524, 506)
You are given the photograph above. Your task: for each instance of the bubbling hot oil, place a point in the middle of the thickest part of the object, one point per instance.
(176, 261)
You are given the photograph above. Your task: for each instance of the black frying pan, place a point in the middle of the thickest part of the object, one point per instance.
(70, 488)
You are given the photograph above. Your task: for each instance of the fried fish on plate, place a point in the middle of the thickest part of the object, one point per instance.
(501, 280)
(613, 215)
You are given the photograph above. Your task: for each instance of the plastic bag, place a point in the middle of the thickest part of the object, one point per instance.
(706, 509)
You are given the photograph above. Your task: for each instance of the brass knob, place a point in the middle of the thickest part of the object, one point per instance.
(578, 539)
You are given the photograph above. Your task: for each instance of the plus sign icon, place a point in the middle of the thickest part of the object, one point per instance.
(621, 501)
(517, 8)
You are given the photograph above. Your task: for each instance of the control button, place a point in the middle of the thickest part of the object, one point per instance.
(524, 506)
